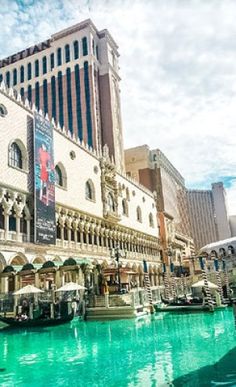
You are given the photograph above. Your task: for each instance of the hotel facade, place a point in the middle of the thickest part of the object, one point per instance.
(73, 77)
(70, 83)
(152, 169)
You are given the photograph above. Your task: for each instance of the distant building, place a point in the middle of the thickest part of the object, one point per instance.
(208, 215)
(153, 170)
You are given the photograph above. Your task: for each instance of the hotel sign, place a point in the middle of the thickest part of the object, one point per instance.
(25, 53)
(44, 182)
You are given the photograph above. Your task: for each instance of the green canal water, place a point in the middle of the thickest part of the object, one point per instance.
(164, 350)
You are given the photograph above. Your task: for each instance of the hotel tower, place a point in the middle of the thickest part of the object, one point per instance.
(73, 77)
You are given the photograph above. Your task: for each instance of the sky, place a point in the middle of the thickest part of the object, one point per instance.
(178, 71)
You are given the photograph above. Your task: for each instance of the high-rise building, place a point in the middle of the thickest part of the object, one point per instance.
(152, 169)
(208, 215)
(73, 77)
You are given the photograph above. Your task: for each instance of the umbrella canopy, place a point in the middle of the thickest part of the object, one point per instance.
(70, 287)
(29, 289)
(200, 284)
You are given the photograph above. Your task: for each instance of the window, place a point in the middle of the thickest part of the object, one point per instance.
(15, 156)
(29, 93)
(97, 52)
(22, 74)
(69, 100)
(151, 221)
(60, 175)
(89, 190)
(85, 46)
(37, 95)
(60, 99)
(8, 78)
(67, 53)
(88, 106)
(0, 77)
(110, 203)
(52, 61)
(45, 96)
(44, 65)
(139, 214)
(36, 68)
(124, 207)
(76, 49)
(14, 77)
(29, 70)
(53, 100)
(3, 110)
(59, 57)
(78, 103)
(22, 92)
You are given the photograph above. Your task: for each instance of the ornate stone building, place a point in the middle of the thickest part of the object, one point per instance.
(97, 209)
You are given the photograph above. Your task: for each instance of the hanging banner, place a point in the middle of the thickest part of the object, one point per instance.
(44, 182)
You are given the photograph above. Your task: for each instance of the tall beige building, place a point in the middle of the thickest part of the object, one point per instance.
(152, 169)
(73, 77)
(208, 215)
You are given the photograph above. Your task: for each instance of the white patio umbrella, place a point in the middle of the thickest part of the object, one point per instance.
(29, 289)
(70, 286)
(200, 284)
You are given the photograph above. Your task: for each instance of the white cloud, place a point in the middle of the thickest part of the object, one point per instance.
(178, 69)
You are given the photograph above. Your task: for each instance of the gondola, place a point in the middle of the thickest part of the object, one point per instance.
(31, 323)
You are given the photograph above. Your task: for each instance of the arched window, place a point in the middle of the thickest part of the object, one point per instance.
(15, 159)
(89, 190)
(111, 203)
(139, 214)
(60, 175)
(44, 65)
(8, 78)
(45, 96)
(22, 74)
(17, 155)
(151, 221)
(2, 217)
(29, 93)
(59, 56)
(67, 53)
(231, 250)
(29, 70)
(36, 68)
(3, 110)
(124, 207)
(52, 61)
(14, 77)
(37, 95)
(85, 46)
(76, 49)
(22, 92)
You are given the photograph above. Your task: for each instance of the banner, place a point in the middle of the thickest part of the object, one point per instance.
(44, 182)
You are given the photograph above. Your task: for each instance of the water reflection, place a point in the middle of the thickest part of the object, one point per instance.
(147, 352)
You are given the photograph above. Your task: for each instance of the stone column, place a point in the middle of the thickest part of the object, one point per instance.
(36, 279)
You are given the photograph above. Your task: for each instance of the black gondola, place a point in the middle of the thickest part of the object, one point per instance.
(31, 323)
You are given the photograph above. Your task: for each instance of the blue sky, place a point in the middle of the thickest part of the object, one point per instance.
(178, 70)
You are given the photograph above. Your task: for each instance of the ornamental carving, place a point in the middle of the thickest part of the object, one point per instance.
(109, 187)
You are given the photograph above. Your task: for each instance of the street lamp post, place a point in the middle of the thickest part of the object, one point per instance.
(116, 254)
